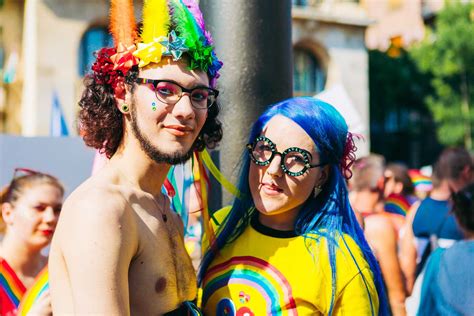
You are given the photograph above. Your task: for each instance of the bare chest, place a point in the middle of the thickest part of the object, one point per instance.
(161, 276)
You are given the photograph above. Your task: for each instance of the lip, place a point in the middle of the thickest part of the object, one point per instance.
(271, 189)
(178, 130)
(47, 232)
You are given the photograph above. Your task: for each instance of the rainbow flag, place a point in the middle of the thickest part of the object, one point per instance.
(420, 181)
(397, 204)
(11, 289)
(39, 287)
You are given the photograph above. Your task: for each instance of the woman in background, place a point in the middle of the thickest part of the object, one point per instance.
(30, 207)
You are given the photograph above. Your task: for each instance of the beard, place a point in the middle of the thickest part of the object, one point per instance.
(152, 151)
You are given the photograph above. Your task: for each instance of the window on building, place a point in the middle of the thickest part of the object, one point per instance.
(93, 39)
(308, 75)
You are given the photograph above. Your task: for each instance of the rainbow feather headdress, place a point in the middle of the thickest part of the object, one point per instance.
(171, 28)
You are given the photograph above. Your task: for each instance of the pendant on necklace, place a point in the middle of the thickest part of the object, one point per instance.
(163, 216)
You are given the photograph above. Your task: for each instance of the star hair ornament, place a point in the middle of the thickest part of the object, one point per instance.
(175, 28)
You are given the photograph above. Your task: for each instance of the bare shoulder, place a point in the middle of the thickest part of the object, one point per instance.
(97, 209)
(90, 202)
(377, 222)
(378, 225)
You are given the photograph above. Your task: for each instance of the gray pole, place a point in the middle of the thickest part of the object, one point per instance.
(253, 39)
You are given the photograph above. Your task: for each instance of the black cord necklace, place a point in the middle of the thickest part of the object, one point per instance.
(162, 209)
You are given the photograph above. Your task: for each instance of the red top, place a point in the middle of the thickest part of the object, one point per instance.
(11, 290)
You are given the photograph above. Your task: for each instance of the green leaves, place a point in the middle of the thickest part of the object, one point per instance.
(447, 54)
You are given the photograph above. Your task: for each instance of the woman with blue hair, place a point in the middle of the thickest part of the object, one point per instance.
(290, 243)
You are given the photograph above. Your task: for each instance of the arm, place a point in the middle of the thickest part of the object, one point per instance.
(383, 239)
(408, 251)
(97, 239)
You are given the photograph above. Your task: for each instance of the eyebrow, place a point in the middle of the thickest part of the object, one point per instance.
(198, 85)
(307, 150)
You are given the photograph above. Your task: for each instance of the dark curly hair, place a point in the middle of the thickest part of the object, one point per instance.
(101, 122)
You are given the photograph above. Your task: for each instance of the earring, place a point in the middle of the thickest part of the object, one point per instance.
(153, 106)
(317, 190)
(125, 108)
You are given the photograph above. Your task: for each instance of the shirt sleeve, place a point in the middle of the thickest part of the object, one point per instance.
(358, 297)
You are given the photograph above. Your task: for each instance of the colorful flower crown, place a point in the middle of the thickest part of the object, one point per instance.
(171, 28)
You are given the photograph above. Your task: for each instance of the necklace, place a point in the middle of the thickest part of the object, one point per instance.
(162, 209)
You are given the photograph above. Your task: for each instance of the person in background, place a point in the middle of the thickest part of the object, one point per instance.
(448, 279)
(380, 228)
(291, 243)
(430, 223)
(399, 191)
(422, 182)
(30, 207)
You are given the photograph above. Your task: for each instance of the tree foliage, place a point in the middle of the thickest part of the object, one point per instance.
(447, 54)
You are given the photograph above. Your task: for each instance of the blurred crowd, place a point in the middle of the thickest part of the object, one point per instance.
(408, 217)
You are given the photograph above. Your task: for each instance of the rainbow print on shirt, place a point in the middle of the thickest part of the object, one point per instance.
(255, 288)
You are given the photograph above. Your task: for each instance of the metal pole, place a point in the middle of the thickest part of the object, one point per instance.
(253, 39)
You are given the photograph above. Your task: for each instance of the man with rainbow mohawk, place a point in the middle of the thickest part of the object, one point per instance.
(148, 103)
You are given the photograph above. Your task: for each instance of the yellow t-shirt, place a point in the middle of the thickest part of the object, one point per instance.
(266, 272)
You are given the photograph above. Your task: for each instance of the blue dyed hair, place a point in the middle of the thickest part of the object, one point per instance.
(329, 214)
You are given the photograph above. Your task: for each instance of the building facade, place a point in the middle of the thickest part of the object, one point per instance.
(54, 41)
(330, 55)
